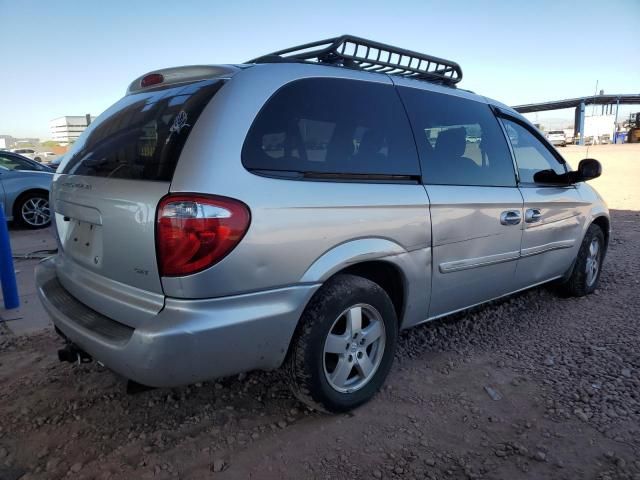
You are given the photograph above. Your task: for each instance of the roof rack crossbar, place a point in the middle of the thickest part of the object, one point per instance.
(354, 52)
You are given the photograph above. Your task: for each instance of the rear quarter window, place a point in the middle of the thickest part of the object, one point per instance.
(332, 126)
(142, 135)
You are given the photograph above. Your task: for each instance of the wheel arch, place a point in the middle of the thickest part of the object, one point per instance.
(604, 223)
(29, 191)
(379, 260)
(388, 276)
(347, 254)
(401, 273)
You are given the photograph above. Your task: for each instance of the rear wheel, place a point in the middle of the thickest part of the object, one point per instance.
(586, 272)
(32, 210)
(344, 348)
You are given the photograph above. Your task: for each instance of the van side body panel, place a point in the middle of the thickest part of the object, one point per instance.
(295, 223)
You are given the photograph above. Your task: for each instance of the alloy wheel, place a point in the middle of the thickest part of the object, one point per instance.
(35, 212)
(593, 262)
(354, 348)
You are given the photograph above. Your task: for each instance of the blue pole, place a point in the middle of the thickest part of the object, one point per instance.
(615, 121)
(581, 110)
(7, 272)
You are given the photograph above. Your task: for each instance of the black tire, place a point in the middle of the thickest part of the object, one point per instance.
(578, 284)
(305, 363)
(31, 222)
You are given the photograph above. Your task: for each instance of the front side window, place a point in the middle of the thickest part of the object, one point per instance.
(459, 140)
(534, 159)
(9, 162)
(332, 126)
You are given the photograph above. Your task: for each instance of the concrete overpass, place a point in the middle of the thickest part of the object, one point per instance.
(607, 101)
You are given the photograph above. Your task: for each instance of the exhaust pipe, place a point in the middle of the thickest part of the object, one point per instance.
(73, 354)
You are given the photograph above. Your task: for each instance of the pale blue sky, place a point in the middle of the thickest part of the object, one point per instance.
(71, 57)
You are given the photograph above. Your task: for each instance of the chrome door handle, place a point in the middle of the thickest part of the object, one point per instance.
(510, 217)
(532, 215)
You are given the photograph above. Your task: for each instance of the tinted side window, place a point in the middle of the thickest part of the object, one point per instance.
(459, 140)
(332, 126)
(532, 156)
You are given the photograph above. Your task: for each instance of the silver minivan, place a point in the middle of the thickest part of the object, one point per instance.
(299, 210)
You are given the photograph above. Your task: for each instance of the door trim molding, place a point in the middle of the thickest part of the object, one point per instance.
(468, 263)
(547, 247)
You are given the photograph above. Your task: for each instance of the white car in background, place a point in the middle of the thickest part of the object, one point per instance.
(26, 152)
(35, 155)
(46, 157)
(557, 138)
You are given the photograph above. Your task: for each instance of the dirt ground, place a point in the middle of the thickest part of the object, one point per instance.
(620, 180)
(536, 386)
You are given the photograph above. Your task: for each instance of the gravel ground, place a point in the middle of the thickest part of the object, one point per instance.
(537, 386)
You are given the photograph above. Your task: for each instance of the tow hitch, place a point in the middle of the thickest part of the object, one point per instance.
(73, 354)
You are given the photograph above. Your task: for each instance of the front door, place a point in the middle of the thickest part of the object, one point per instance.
(476, 244)
(554, 213)
(476, 207)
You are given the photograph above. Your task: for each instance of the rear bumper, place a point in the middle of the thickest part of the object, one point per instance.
(188, 340)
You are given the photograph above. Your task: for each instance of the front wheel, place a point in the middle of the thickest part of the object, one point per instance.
(32, 210)
(344, 347)
(586, 272)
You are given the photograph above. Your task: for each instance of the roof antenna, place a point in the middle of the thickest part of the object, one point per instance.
(593, 109)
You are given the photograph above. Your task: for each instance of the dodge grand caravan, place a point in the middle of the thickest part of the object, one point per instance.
(299, 210)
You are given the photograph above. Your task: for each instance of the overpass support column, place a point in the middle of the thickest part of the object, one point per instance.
(579, 123)
(615, 122)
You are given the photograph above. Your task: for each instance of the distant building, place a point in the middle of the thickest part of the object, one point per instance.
(599, 125)
(6, 141)
(26, 141)
(67, 129)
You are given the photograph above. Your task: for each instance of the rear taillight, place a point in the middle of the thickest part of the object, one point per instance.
(194, 232)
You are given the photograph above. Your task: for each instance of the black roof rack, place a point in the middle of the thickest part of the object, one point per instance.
(354, 52)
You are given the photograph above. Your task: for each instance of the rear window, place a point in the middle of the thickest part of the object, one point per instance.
(332, 126)
(142, 135)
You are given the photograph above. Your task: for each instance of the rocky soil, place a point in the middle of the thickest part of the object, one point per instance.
(537, 386)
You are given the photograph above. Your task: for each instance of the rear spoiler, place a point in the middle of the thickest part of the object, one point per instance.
(191, 73)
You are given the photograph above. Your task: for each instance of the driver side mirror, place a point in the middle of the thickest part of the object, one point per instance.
(588, 169)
